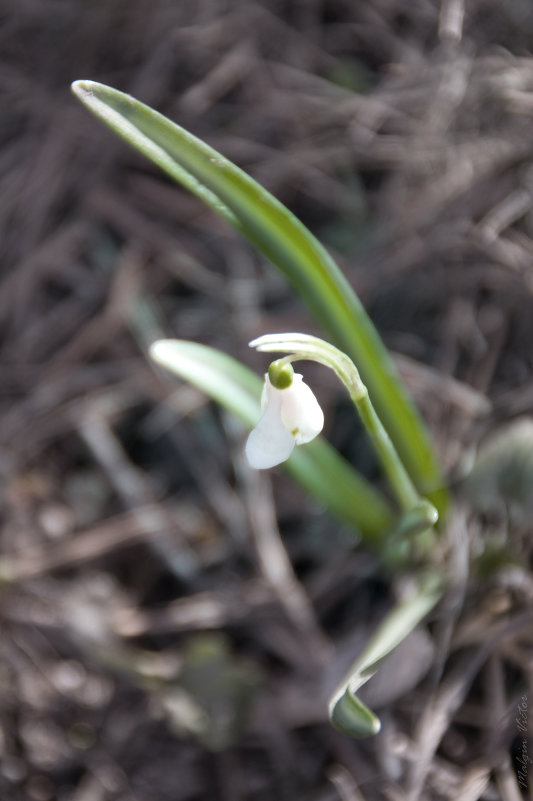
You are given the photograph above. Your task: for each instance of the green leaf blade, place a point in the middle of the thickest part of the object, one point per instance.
(282, 238)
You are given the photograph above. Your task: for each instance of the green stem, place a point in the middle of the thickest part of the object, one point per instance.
(397, 475)
(306, 347)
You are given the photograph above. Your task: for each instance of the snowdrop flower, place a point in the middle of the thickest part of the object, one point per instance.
(291, 416)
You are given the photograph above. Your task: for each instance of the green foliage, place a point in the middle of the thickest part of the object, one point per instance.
(279, 236)
(282, 238)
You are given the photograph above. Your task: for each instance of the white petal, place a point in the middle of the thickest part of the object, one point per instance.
(301, 412)
(267, 394)
(270, 443)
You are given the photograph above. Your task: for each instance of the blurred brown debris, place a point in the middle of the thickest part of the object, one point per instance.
(137, 553)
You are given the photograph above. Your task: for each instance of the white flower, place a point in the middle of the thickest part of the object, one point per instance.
(290, 417)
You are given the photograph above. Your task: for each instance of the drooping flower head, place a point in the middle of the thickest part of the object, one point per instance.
(291, 416)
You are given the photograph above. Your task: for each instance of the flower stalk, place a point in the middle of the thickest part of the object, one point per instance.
(306, 347)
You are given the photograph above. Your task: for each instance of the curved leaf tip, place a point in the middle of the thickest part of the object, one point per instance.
(161, 351)
(81, 88)
(353, 718)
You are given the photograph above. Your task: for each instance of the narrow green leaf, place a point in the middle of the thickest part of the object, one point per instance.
(288, 244)
(349, 714)
(316, 466)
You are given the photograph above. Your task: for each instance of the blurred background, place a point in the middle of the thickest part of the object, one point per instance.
(172, 624)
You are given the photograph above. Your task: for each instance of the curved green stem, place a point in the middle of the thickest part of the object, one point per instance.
(397, 475)
(307, 347)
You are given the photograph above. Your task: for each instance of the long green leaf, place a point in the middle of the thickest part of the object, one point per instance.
(288, 244)
(316, 466)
